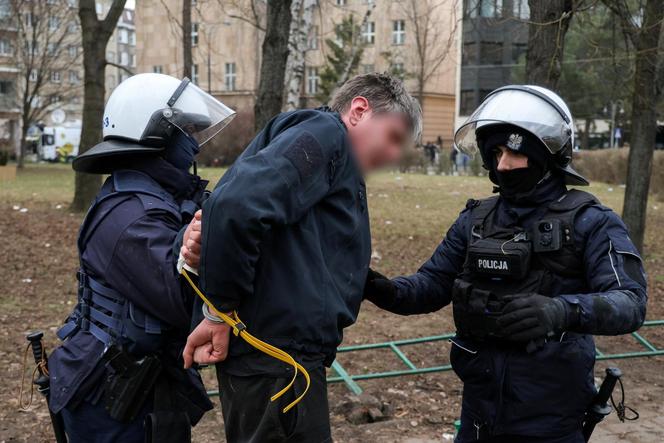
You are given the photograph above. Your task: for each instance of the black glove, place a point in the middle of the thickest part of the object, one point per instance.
(379, 290)
(528, 317)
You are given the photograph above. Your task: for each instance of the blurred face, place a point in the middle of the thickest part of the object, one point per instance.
(377, 139)
(507, 159)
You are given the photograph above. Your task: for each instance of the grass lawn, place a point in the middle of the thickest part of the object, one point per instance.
(409, 215)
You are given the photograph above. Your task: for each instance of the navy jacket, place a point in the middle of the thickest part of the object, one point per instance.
(286, 239)
(133, 250)
(508, 391)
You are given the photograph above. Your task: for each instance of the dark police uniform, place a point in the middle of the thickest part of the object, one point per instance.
(286, 242)
(130, 296)
(537, 391)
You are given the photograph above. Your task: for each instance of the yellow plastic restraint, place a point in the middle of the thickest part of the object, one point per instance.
(239, 329)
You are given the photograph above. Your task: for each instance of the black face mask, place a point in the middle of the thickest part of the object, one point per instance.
(520, 182)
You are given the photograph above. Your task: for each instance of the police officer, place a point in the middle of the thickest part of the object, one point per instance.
(532, 274)
(286, 243)
(117, 376)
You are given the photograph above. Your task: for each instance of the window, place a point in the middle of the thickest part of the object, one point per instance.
(312, 40)
(469, 55)
(369, 33)
(99, 8)
(52, 49)
(56, 77)
(341, 2)
(123, 36)
(6, 87)
(5, 47)
(194, 34)
(53, 23)
(367, 69)
(132, 38)
(124, 59)
(30, 19)
(467, 103)
(230, 76)
(486, 8)
(521, 9)
(72, 3)
(194, 74)
(312, 80)
(132, 60)
(110, 56)
(73, 77)
(518, 50)
(33, 75)
(491, 53)
(398, 32)
(54, 99)
(32, 47)
(158, 69)
(5, 9)
(72, 51)
(72, 27)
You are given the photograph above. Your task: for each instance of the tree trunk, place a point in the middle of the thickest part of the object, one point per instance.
(302, 12)
(644, 121)
(549, 22)
(187, 57)
(95, 35)
(270, 93)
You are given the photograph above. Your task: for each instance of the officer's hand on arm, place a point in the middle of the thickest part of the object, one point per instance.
(528, 317)
(379, 290)
(207, 344)
(191, 242)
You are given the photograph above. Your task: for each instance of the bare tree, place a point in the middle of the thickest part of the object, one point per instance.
(549, 22)
(95, 34)
(643, 28)
(434, 33)
(46, 61)
(302, 12)
(273, 66)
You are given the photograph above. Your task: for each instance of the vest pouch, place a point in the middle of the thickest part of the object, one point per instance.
(488, 257)
(475, 311)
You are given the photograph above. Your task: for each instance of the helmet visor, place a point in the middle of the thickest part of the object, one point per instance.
(519, 108)
(199, 114)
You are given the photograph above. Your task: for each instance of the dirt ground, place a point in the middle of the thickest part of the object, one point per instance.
(409, 213)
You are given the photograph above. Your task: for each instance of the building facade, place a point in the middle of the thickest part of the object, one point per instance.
(10, 115)
(494, 40)
(227, 37)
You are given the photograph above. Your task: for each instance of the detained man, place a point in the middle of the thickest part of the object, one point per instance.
(286, 244)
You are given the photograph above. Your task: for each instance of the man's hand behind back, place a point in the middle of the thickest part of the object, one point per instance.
(191, 242)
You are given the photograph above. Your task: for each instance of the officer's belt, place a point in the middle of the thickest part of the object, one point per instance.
(103, 324)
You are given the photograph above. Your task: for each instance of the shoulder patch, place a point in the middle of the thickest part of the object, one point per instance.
(306, 154)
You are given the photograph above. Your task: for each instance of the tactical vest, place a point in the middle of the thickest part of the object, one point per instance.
(507, 261)
(104, 312)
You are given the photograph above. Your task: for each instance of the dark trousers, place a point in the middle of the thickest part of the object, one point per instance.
(250, 416)
(576, 437)
(90, 423)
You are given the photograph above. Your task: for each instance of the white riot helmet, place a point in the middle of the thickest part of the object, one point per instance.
(535, 109)
(145, 111)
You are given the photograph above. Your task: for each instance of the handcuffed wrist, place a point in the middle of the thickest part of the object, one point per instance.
(209, 315)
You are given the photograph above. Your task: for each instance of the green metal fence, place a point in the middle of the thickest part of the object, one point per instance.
(410, 368)
(342, 376)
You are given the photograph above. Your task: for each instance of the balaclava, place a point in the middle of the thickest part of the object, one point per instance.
(181, 150)
(520, 182)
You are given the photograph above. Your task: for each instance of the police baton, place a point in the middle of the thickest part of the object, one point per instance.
(600, 406)
(44, 384)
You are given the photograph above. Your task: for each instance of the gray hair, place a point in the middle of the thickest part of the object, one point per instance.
(385, 93)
